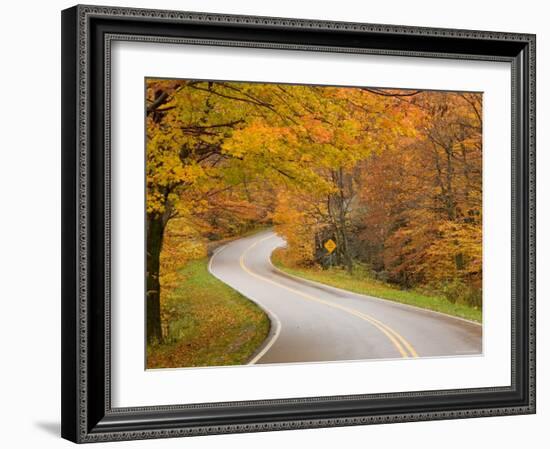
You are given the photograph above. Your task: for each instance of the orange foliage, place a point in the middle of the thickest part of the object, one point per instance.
(392, 176)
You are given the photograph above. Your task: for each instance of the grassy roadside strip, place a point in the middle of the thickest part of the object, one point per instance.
(361, 282)
(209, 324)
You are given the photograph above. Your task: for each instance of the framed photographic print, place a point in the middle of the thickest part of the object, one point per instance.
(274, 224)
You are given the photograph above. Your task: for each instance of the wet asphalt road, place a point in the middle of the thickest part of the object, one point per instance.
(311, 322)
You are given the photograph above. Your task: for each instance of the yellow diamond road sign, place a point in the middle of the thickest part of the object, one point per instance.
(330, 245)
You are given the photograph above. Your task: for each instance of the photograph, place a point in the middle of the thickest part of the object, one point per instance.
(296, 223)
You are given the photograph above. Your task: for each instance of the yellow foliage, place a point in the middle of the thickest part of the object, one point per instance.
(393, 174)
(182, 243)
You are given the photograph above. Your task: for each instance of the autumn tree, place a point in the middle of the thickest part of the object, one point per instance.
(187, 123)
(424, 196)
(348, 126)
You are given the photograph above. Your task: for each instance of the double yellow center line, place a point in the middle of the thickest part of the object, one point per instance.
(404, 348)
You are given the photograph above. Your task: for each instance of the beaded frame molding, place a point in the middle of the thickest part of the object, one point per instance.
(87, 34)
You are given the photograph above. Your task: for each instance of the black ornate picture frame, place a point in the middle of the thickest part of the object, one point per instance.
(87, 34)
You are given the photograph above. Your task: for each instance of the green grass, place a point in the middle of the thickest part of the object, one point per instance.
(361, 281)
(209, 323)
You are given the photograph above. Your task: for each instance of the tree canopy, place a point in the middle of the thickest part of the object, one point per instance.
(392, 176)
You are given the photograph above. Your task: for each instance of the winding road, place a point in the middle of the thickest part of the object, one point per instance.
(311, 322)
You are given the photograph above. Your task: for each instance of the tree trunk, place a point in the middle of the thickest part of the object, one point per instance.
(155, 233)
(338, 211)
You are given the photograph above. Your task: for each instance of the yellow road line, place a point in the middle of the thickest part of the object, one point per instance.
(400, 343)
(275, 322)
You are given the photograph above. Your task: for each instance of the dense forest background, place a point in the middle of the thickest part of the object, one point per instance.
(393, 177)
